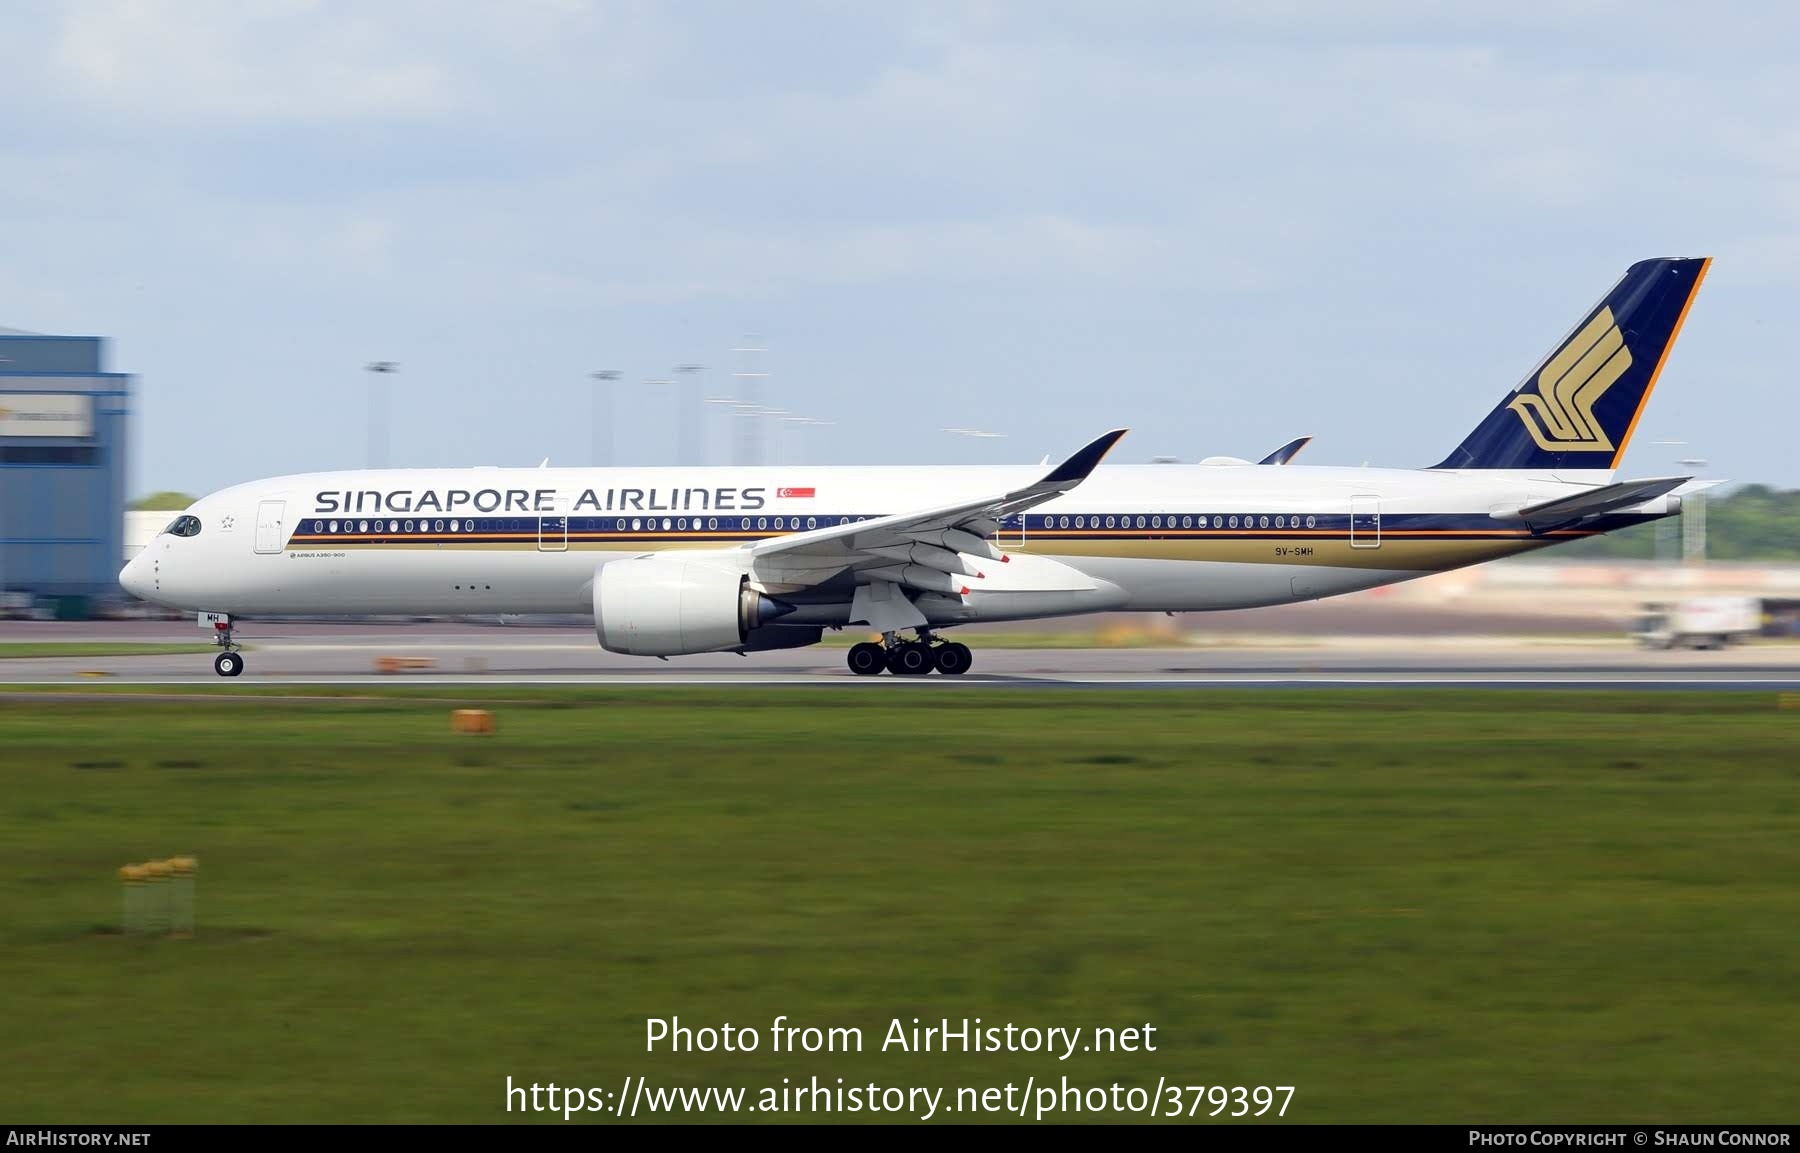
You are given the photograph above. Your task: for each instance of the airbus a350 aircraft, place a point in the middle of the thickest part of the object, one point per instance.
(675, 561)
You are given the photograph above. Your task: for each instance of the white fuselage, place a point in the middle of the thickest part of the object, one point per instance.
(1161, 538)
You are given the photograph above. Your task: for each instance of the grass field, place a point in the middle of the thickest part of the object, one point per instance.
(1429, 906)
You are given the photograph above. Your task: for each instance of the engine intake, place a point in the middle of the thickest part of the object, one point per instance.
(667, 605)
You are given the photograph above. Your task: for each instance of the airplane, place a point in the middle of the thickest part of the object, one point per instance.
(681, 561)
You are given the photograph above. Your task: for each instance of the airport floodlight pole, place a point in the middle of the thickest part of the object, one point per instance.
(660, 382)
(771, 439)
(797, 454)
(603, 416)
(749, 388)
(1693, 518)
(687, 433)
(1667, 547)
(733, 411)
(378, 411)
(801, 424)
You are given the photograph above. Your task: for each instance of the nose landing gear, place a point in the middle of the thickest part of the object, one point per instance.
(230, 662)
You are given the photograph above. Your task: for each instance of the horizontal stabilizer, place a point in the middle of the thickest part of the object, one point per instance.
(1565, 510)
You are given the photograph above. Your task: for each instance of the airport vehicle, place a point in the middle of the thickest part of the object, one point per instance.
(675, 561)
(1699, 622)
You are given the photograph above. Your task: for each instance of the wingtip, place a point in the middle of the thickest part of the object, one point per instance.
(1083, 462)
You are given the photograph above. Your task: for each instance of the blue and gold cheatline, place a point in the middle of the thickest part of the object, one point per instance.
(490, 532)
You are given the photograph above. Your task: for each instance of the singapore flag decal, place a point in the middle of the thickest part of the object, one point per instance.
(794, 493)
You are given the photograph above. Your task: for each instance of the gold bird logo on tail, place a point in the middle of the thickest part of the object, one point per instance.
(1560, 417)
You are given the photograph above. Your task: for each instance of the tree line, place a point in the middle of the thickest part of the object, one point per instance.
(1751, 523)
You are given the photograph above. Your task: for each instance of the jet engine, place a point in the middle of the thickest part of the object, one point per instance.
(674, 604)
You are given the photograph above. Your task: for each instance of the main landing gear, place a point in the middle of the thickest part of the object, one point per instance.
(909, 658)
(230, 662)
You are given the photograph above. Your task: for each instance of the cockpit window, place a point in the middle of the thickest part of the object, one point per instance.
(184, 526)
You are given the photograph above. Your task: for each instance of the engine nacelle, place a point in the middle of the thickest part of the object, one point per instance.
(671, 604)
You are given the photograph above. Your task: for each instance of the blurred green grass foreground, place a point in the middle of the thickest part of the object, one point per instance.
(1419, 906)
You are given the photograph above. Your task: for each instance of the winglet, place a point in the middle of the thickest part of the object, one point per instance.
(1076, 469)
(1287, 451)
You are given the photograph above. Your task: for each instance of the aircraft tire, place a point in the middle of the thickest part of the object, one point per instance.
(866, 659)
(228, 664)
(910, 660)
(953, 659)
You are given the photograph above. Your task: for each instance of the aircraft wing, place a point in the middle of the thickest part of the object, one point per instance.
(1287, 451)
(930, 549)
(1566, 510)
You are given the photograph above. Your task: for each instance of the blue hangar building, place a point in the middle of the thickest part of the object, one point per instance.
(63, 426)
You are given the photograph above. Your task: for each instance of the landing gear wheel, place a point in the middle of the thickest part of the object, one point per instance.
(866, 659)
(909, 660)
(953, 659)
(228, 664)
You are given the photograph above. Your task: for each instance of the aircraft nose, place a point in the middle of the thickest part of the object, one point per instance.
(134, 578)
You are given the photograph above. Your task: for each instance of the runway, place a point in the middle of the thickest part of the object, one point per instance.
(435, 654)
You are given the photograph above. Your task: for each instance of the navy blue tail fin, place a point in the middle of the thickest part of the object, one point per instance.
(1578, 408)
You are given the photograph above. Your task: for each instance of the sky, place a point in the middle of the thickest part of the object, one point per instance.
(1222, 225)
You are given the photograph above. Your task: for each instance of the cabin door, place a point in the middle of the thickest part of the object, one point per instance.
(553, 527)
(1365, 521)
(270, 530)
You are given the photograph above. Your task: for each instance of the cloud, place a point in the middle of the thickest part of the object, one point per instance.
(223, 61)
(907, 196)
